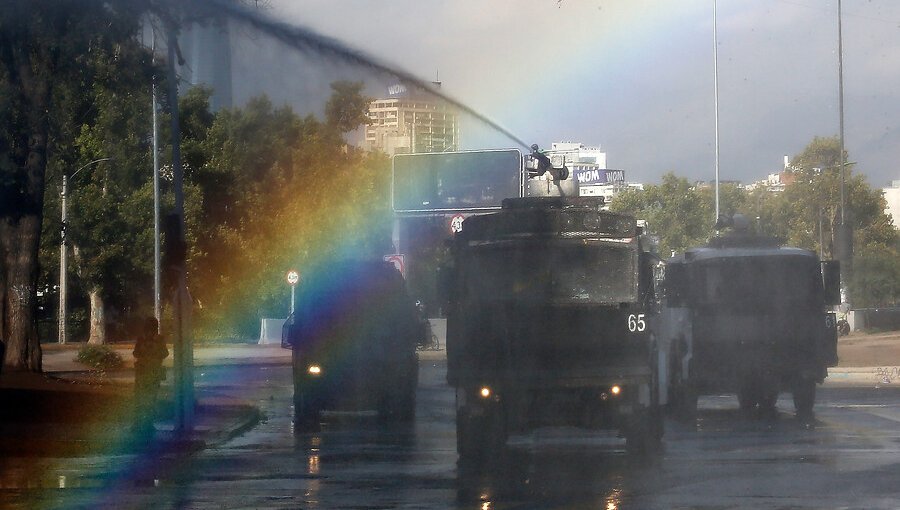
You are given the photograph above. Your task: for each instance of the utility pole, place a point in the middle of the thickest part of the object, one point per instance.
(183, 357)
(841, 106)
(63, 264)
(716, 97)
(157, 305)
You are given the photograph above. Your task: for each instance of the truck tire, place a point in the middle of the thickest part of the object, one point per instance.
(683, 403)
(804, 398)
(767, 400)
(307, 411)
(398, 408)
(643, 435)
(398, 402)
(752, 397)
(480, 437)
(748, 397)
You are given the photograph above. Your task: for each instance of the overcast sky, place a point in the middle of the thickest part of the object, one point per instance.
(633, 76)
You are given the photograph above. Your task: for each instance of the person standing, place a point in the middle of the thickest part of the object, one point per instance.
(149, 353)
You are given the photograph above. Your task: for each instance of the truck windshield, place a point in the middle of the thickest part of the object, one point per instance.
(564, 272)
(760, 282)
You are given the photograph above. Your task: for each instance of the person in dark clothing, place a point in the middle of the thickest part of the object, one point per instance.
(149, 353)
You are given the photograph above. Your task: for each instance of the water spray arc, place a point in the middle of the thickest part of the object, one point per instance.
(307, 40)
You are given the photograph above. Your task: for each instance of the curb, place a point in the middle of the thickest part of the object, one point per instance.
(874, 376)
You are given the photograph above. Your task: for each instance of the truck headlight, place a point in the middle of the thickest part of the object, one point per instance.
(314, 370)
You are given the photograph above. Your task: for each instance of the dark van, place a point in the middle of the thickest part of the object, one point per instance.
(353, 335)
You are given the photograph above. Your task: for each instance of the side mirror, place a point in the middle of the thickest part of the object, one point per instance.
(831, 281)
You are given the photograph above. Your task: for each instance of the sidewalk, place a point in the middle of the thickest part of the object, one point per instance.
(73, 410)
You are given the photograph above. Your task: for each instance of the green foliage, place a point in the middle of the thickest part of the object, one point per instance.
(280, 191)
(347, 107)
(676, 211)
(101, 357)
(875, 280)
(804, 215)
(807, 213)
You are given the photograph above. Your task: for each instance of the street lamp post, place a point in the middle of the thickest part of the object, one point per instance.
(293, 277)
(63, 251)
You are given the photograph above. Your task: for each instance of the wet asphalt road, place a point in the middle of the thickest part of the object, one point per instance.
(849, 459)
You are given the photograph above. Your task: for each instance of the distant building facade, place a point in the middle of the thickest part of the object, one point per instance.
(892, 197)
(588, 167)
(207, 53)
(407, 122)
(575, 152)
(775, 182)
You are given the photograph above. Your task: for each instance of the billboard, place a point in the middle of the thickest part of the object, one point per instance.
(455, 181)
(590, 174)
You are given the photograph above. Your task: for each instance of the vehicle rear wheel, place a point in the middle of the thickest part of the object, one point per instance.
(683, 403)
(307, 411)
(767, 401)
(643, 435)
(804, 398)
(480, 437)
(748, 398)
(398, 407)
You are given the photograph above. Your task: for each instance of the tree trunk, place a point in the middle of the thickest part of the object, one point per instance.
(21, 207)
(19, 244)
(98, 318)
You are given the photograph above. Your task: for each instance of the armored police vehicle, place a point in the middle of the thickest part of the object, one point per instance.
(353, 337)
(746, 315)
(551, 322)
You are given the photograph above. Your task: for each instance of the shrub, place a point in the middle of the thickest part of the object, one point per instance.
(101, 357)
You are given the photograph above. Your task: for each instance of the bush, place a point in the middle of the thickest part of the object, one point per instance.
(101, 357)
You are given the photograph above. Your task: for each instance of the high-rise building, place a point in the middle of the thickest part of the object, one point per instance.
(575, 152)
(207, 52)
(410, 122)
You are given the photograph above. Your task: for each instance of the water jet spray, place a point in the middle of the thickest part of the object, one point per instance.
(308, 40)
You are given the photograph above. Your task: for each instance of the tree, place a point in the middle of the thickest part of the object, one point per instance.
(679, 213)
(347, 107)
(45, 51)
(280, 192)
(807, 213)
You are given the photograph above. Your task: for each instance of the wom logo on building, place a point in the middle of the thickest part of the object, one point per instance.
(589, 175)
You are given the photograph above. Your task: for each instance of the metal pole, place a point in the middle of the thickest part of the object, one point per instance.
(716, 96)
(157, 305)
(63, 264)
(841, 105)
(292, 298)
(183, 355)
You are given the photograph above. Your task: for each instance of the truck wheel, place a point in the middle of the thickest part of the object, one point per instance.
(748, 398)
(767, 401)
(307, 412)
(644, 434)
(480, 437)
(398, 407)
(398, 402)
(683, 403)
(804, 398)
